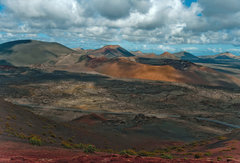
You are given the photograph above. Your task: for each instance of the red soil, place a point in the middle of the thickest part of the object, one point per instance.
(24, 153)
(90, 119)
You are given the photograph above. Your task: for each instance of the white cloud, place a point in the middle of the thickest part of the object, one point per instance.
(216, 50)
(189, 48)
(143, 21)
(166, 48)
(234, 50)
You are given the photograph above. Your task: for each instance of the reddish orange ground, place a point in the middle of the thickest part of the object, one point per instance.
(25, 153)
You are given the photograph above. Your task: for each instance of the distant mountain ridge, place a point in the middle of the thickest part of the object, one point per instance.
(224, 56)
(167, 55)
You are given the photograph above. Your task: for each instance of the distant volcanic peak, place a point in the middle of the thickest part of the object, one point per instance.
(168, 55)
(111, 51)
(185, 55)
(78, 49)
(138, 52)
(227, 54)
(112, 46)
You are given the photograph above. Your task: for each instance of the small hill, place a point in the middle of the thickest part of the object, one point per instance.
(185, 56)
(167, 55)
(28, 52)
(110, 51)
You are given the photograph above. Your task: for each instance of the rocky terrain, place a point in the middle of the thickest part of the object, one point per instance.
(106, 99)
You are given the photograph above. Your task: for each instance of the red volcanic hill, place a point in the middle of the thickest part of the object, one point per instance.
(167, 55)
(110, 51)
(177, 71)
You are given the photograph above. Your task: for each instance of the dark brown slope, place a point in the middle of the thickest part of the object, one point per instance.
(111, 51)
(28, 52)
(18, 124)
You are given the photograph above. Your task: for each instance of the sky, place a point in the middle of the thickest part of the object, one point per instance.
(201, 27)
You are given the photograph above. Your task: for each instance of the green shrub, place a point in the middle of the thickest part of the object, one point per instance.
(179, 149)
(233, 148)
(53, 135)
(188, 153)
(79, 146)
(107, 150)
(166, 156)
(35, 140)
(66, 144)
(207, 154)
(145, 153)
(222, 138)
(123, 152)
(128, 152)
(198, 155)
(21, 135)
(229, 157)
(89, 149)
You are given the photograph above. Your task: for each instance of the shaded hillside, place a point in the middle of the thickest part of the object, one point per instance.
(185, 56)
(19, 124)
(110, 51)
(27, 52)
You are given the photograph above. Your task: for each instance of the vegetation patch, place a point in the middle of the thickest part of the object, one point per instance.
(198, 155)
(66, 144)
(128, 152)
(166, 156)
(90, 149)
(35, 140)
